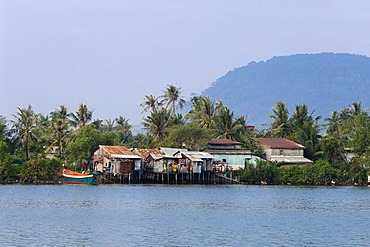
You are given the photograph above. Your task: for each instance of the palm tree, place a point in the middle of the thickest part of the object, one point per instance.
(150, 103)
(172, 97)
(122, 124)
(228, 126)
(334, 141)
(61, 114)
(82, 117)
(306, 130)
(108, 125)
(300, 116)
(308, 136)
(280, 126)
(123, 128)
(177, 119)
(97, 124)
(333, 124)
(156, 123)
(23, 125)
(4, 134)
(59, 127)
(355, 108)
(204, 111)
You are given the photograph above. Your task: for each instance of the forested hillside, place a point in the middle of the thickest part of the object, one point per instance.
(325, 82)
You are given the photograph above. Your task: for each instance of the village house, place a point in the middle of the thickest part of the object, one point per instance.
(282, 150)
(166, 159)
(229, 153)
(145, 153)
(195, 161)
(116, 160)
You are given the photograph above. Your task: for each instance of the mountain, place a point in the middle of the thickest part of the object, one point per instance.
(324, 82)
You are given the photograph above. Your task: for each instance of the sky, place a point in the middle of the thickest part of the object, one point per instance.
(110, 54)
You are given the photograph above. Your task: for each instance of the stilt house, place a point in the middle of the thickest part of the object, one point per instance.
(117, 159)
(145, 154)
(229, 153)
(196, 161)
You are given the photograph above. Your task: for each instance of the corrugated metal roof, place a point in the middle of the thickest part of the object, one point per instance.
(117, 150)
(125, 156)
(144, 152)
(157, 156)
(199, 155)
(291, 160)
(223, 142)
(193, 157)
(171, 151)
(278, 143)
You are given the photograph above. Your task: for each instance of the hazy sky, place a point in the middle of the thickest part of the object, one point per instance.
(110, 54)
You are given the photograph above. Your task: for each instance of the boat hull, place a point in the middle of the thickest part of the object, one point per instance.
(71, 177)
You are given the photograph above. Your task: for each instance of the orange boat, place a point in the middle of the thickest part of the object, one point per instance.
(72, 177)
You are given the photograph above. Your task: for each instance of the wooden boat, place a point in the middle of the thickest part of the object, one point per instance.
(72, 177)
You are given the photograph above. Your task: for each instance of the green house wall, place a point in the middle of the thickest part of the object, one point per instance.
(236, 159)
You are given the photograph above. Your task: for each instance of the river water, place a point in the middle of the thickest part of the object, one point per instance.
(161, 215)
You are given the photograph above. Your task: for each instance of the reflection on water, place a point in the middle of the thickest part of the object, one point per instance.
(142, 215)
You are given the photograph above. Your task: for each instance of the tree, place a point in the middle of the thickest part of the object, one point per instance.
(333, 143)
(156, 123)
(189, 135)
(4, 133)
(82, 117)
(60, 127)
(359, 133)
(108, 125)
(228, 126)
(172, 97)
(204, 111)
(86, 142)
(123, 128)
(305, 130)
(98, 124)
(300, 116)
(281, 126)
(355, 108)
(8, 170)
(177, 119)
(263, 171)
(333, 150)
(347, 129)
(150, 103)
(23, 125)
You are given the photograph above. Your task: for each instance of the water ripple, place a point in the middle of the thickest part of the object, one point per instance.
(163, 215)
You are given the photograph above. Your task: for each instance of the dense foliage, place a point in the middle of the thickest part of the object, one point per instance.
(33, 146)
(319, 173)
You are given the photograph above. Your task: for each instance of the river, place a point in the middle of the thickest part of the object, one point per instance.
(161, 215)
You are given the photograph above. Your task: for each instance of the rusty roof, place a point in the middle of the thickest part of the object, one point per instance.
(144, 152)
(282, 143)
(117, 150)
(223, 142)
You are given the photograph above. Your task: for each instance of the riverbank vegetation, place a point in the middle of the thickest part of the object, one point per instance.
(339, 145)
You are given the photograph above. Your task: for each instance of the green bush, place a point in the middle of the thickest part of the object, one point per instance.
(41, 170)
(262, 172)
